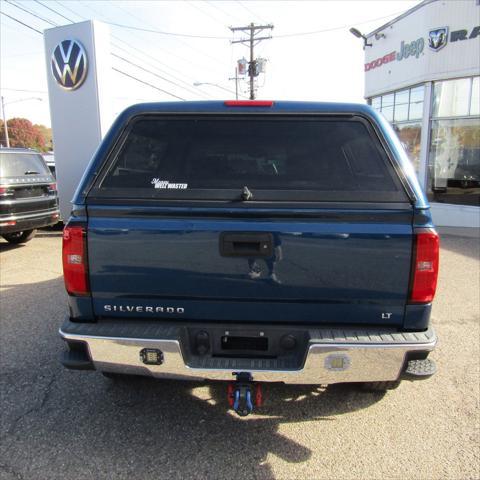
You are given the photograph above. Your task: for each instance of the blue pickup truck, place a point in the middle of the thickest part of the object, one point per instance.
(251, 242)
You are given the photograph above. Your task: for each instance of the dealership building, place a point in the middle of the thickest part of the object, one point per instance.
(422, 71)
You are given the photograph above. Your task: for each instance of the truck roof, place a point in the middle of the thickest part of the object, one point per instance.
(218, 106)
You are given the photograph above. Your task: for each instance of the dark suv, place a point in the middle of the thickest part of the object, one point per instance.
(28, 194)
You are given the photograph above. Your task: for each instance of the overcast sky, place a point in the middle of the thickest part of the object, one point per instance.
(324, 66)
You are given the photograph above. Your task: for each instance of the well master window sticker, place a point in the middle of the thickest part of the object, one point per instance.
(166, 185)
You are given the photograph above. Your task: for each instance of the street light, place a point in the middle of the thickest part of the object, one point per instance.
(199, 84)
(359, 34)
(5, 126)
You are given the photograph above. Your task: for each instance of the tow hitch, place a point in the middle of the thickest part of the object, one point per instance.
(244, 394)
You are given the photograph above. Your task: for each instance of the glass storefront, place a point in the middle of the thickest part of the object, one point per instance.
(404, 110)
(454, 160)
(454, 153)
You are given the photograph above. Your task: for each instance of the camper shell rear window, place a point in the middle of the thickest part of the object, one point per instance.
(276, 158)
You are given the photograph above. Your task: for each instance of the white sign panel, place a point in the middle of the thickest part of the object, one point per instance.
(438, 40)
(78, 72)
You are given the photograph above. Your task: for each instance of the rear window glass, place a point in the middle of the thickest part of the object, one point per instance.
(216, 158)
(22, 164)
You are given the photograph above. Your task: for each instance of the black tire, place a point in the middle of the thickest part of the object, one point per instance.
(19, 237)
(379, 386)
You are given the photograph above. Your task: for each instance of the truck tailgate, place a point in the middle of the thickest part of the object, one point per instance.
(331, 266)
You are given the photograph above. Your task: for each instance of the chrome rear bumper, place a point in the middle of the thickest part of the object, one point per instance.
(333, 356)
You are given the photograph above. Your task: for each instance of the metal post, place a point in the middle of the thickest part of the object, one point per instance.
(425, 137)
(236, 78)
(5, 126)
(251, 41)
(236, 83)
(251, 65)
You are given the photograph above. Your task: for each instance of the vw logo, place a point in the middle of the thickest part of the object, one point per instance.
(69, 64)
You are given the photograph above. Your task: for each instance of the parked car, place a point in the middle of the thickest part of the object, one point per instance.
(251, 241)
(28, 194)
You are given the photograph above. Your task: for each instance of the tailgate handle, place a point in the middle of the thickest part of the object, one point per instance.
(244, 244)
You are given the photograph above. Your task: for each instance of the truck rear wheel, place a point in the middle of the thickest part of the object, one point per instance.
(19, 237)
(379, 386)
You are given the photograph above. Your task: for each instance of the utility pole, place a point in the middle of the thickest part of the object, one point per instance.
(236, 78)
(252, 30)
(7, 139)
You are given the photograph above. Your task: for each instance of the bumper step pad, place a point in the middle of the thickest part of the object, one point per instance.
(419, 369)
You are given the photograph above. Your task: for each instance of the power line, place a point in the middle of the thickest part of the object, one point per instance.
(162, 70)
(24, 24)
(153, 73)
(155, 59)
(162, 32)
(204, 12)
(156, 68)
(52, 10)
(315, 32)
(122, 58)
(132, 63)
(169, 52)
(121, 49)
(249, 11)
(219, 86)
(113, 68)
(147, 83)
(143, 22)
(70, 10)
(286, 35)
(30, 13)
(221, 10)
(24, 90)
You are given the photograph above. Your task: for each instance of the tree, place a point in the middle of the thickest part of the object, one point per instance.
(46, 133)
(22, 133)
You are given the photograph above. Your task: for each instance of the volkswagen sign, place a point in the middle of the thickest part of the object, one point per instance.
(69, 64)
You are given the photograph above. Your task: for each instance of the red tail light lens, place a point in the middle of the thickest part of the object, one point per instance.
(52, 187)
(6, 192)
(249, 103)
(425, 266)
(74, 256)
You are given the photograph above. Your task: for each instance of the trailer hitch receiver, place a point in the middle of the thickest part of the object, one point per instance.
(244, 395)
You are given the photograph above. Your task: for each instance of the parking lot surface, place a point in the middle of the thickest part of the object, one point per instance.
(79, 425)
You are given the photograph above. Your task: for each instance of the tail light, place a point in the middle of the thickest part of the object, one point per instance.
(52, 187)
(74, 256)
(6, 192)
(425, 266)
(10, 223)
(249, 103)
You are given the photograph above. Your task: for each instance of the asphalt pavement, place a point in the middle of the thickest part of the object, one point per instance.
(58, 424)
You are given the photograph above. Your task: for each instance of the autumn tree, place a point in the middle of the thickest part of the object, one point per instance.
(22, 133)
(46, 133)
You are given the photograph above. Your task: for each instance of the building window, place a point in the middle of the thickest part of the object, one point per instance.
(452, 98)
(454, 160)
(404, 110)
(409, 134)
